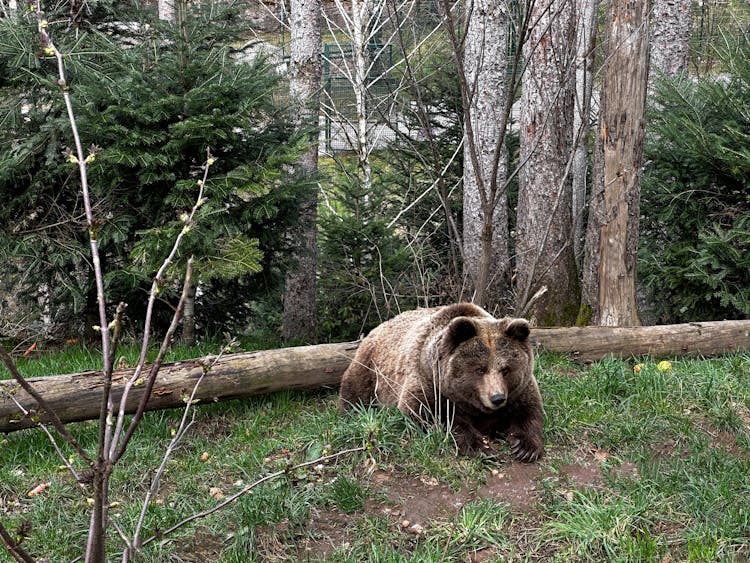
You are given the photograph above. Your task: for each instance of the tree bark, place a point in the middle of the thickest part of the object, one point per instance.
(166, 10)
(299, 317)
(587, 11)
(485, 199)
(188, 317)
(670, 36)
(77, 396)
(594, 343)
(544, 228)
(609, 271)
(360, 39)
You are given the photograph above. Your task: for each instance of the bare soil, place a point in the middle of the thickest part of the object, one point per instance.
(413, 503)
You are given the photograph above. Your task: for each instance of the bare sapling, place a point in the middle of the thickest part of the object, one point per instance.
(115, 430)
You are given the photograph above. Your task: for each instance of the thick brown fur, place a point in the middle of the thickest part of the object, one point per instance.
(458, 364)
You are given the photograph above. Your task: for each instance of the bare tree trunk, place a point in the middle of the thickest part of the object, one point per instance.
(188, 317)
(166, 10)
(544, 231)
(360, 41)
(299, 320)
(587, 11)
(670, 36)
(612, 235)
(485, 199)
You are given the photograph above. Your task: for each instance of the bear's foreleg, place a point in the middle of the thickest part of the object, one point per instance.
(357, 385)
(524, 433)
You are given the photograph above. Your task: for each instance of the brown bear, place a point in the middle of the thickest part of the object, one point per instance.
(457, 364)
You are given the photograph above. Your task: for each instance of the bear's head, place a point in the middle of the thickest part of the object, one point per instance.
(484, 362)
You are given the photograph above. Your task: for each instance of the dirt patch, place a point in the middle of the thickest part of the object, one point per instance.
(327, 530)
(582, 475)
(412, 504)
(202, 546)
(417, 500)
(514, 484)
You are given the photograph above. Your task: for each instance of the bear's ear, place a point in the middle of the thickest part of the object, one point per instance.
(459, 330)
(518, 329)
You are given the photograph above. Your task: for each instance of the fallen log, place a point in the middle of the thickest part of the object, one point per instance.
(76, 396)
(592, 343)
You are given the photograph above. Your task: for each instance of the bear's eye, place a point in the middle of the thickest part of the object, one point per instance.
(505, 370)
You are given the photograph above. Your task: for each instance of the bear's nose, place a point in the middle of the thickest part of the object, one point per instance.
(498, 399)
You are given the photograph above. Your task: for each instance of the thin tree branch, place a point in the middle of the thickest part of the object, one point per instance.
(54, 420)
(248, 488)
(14, 548)
(166, 342)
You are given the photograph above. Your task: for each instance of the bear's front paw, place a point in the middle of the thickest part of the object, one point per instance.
(526, 448)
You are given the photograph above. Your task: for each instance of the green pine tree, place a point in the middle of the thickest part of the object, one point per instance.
(152, 107)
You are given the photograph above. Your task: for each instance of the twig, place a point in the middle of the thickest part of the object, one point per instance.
(155, 288)
(51, 438)
(13, 547)
(179, 433)
(176, 318)
(533, 300)
(248, 488)
(54, 420)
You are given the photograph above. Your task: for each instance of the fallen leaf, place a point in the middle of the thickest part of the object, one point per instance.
(30, 349)
(205, 456)
(38, 489)
(601, 455)
(216, 493)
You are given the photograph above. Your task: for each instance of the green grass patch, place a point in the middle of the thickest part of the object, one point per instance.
(641, 465)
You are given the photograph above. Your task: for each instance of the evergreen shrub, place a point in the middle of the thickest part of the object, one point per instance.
(695, 230)
(152, 96)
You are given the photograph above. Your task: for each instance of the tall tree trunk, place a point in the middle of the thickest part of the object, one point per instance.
(360, 40)
(612, 235)
(544, 231)
(587, 11)
(485, 199)
(299, 321)
(670, 36)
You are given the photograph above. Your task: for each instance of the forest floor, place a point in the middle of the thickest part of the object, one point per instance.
(641, 465)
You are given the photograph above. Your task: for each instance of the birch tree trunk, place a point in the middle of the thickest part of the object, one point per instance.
(485, 199)
(166, 10)
(670, 36)
(544, 231)
(612, 235)
(360, 40)
(587, 11)
(299, 319)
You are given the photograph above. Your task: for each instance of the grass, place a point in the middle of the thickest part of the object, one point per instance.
(639, 467)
